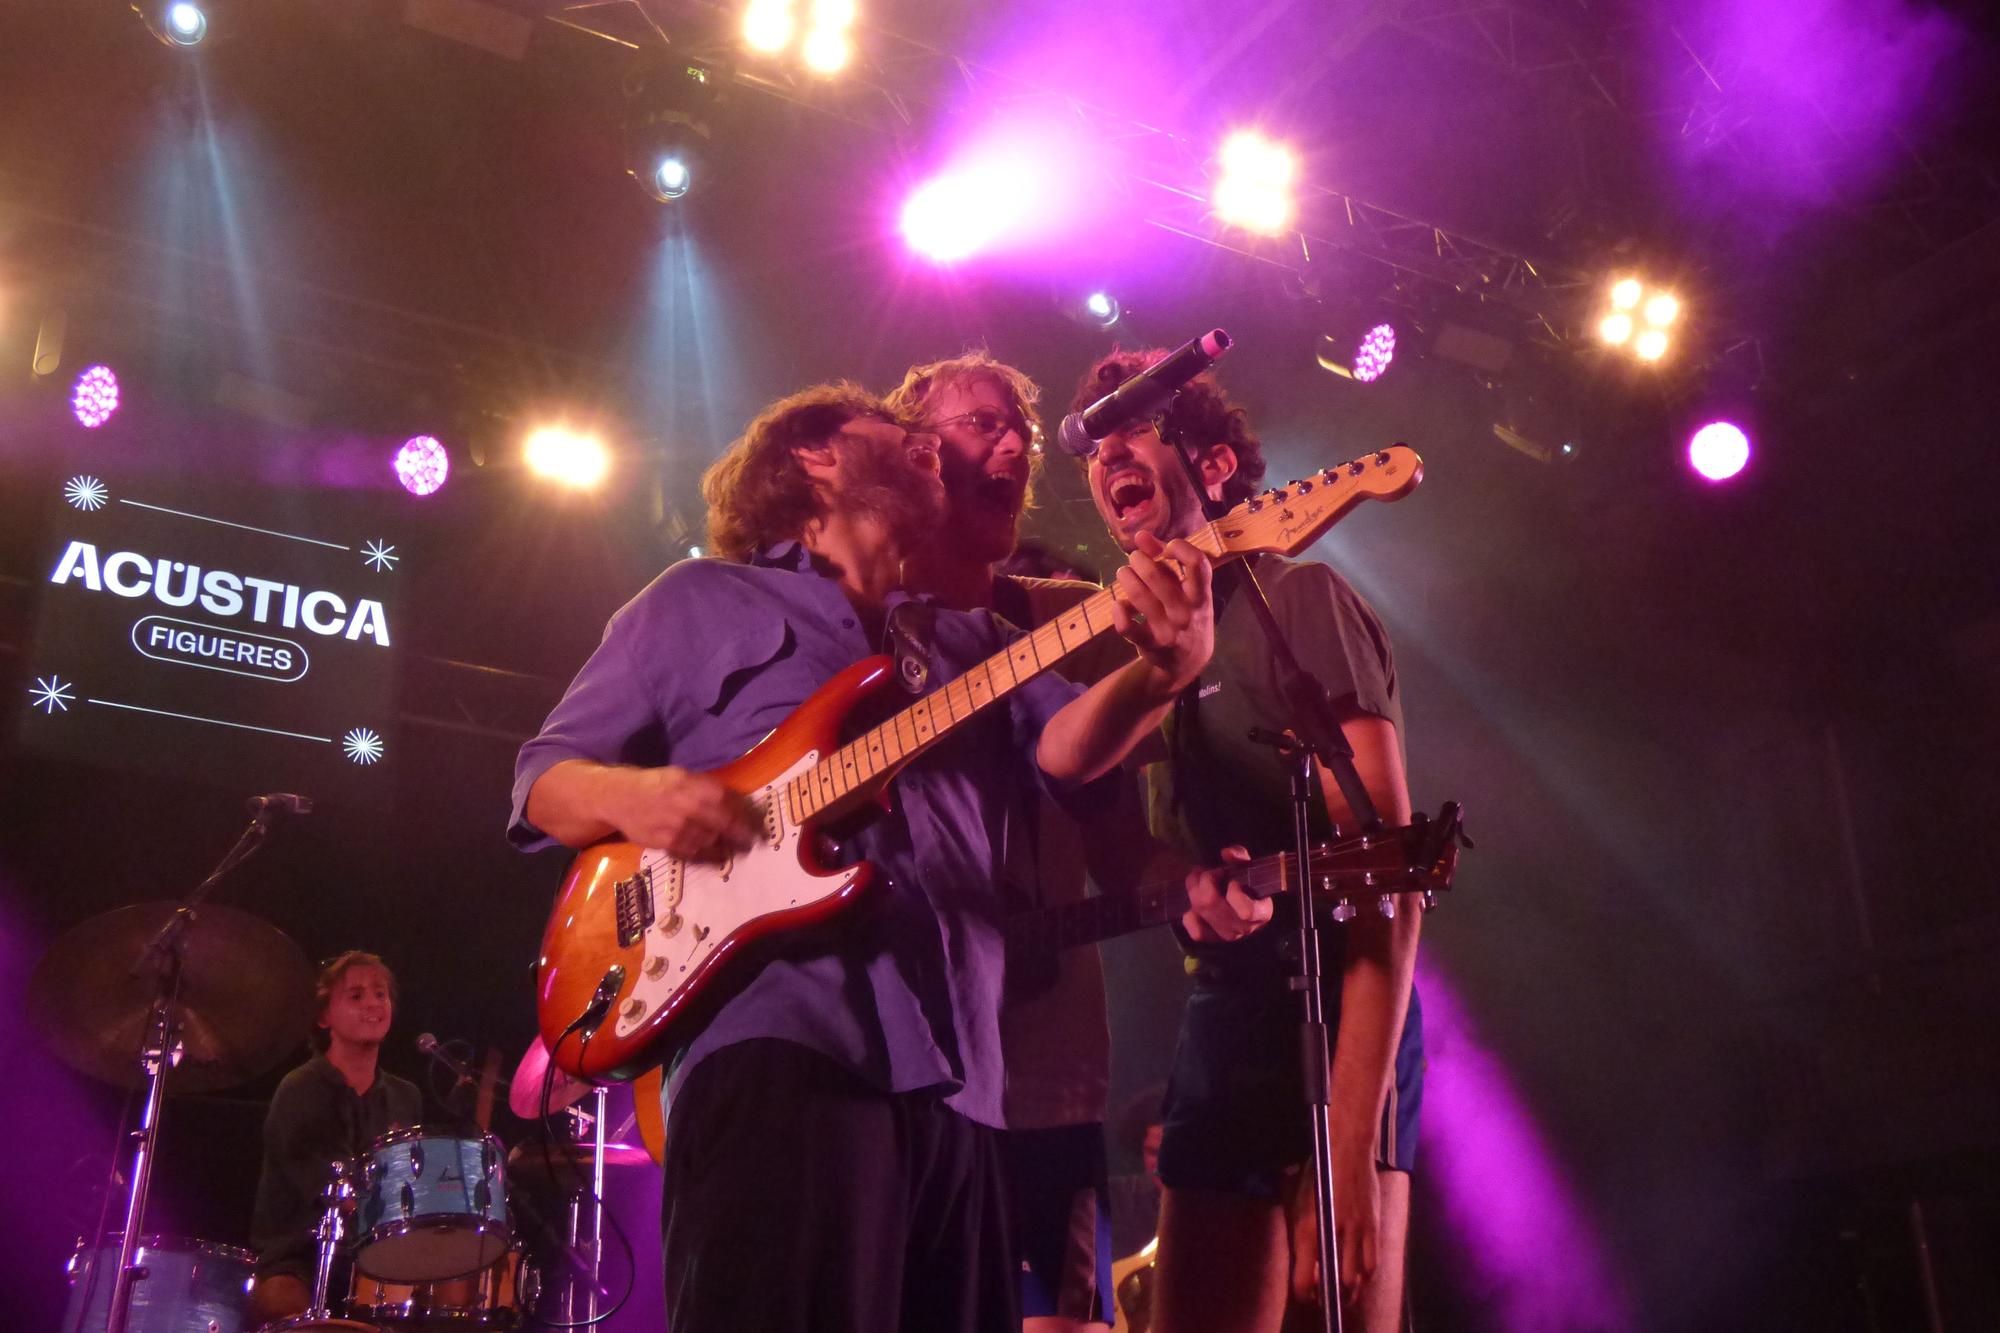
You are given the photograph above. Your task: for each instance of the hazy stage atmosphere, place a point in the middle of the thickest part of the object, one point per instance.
(360, 358)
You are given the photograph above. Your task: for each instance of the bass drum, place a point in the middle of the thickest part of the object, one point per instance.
(493, 1298)
(191, 1286)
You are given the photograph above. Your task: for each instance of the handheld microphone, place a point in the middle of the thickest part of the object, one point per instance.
(280, 802)
(1141, 396)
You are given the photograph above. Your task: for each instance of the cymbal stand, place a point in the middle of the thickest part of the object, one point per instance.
(160, 1050)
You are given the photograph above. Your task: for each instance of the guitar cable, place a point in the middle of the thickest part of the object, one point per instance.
(597, 1200)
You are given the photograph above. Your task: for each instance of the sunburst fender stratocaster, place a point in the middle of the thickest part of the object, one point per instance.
(637, 935)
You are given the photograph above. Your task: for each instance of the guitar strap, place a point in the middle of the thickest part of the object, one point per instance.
(907, 637)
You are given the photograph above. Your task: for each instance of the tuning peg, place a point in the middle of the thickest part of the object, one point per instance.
(1343, 912)
(1430, 899)
(1386, 905)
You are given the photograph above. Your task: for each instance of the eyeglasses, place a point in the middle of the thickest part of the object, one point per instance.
(986, 423)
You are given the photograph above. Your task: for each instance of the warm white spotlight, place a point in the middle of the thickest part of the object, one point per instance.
(826, 50)
(837, 15)
(768, 25)
(1254, 190)
(1650, 345)
(1625, 293)
(1616, 328)
(567, 457)
(1661, 308)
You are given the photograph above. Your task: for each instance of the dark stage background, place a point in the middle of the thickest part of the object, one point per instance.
(1713, 1014)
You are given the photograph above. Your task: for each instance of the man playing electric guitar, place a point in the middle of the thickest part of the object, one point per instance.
(829, 1161)
(1236, 1235)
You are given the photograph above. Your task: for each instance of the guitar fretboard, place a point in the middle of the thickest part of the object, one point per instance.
(859, 768)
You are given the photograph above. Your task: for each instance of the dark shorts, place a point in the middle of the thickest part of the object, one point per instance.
(1235, 1113)
(799, 1198)
(1060, 1197)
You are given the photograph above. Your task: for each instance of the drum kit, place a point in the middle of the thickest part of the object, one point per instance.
(195, 997)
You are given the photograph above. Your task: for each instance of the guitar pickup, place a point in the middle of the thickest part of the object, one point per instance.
(633, 905)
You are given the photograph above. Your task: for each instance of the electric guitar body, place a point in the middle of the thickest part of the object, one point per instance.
(638, 935)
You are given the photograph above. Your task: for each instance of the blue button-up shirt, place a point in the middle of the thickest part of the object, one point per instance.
(904, 990)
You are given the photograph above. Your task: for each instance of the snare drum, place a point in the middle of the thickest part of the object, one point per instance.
(490, 1299)
(433, 1207)
(191, 1286)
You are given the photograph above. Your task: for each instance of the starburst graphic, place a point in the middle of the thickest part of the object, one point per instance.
(379, 555)
(362, 745)
(86, 492)
(50, 694)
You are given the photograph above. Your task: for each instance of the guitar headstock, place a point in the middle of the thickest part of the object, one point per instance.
(1287, 519)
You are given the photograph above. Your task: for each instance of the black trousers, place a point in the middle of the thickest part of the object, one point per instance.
(800, 1198)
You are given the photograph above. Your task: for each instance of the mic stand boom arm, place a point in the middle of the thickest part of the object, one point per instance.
(1315, 735)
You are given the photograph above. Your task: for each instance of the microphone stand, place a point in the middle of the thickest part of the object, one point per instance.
(160, 1049)
(1315, 735)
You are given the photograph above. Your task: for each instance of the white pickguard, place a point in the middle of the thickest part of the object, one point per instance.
(698, 906)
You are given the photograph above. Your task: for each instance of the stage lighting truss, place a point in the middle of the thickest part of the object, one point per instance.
(1636, 318)
(895, 80)
(669, 118)
(824, 42)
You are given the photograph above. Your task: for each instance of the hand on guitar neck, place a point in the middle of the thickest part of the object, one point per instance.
(1220, 907)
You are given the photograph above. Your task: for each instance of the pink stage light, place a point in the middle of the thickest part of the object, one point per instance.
(422, 465)
(96, 396)
(1377, 350)
(1719, 450)
(1019, 186)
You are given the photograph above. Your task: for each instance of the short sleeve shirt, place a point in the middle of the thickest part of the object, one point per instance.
(1220, 787)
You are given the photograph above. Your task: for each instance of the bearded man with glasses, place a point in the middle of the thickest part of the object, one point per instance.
(1055, 1033)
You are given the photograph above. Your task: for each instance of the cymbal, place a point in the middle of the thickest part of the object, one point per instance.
(563, 1165)
(246, 996)
(524, 1094)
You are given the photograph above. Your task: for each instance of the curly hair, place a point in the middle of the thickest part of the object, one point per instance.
(328, 980)
(758, 492)
(1201, 414)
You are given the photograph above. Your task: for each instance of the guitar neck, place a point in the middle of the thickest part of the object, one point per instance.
(1109, 915)
(860, 768)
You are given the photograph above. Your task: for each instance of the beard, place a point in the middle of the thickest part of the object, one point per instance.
(880, 481)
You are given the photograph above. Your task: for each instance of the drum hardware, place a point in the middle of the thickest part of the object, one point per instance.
(198, 993)
(337, 1198)
(592, 1285)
